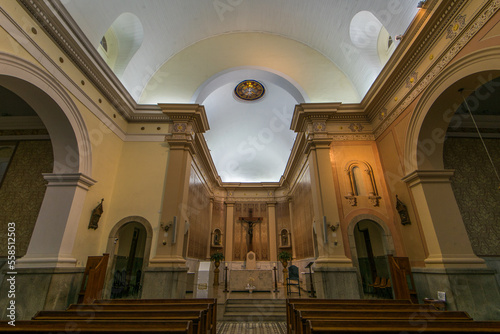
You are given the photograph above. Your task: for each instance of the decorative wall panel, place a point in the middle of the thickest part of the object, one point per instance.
(218, 222)
(303, 217)
(283, 223)
(476, 190)
(198, 213)
(260, 239)
(22, 191)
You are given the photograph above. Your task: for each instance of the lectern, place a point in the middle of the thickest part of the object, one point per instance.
(313, 293)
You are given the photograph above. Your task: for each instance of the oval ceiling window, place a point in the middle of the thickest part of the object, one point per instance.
(249, 90)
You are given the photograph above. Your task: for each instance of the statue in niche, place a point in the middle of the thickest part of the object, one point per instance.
(284, 238)
(217, 237)
(96, 215)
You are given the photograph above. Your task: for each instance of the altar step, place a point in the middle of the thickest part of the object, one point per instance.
(255, 310)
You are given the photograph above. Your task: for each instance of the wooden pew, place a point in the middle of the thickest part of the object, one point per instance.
(364, 307)
(305, 315)
(212, 301)
(208, 321)
(84, 327)
(400, 326)
(291, 301)
(197, 317)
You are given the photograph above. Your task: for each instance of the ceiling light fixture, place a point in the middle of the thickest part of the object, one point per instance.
(249, 90)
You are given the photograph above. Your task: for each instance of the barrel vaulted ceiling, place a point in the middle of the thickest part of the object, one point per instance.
(197, 51)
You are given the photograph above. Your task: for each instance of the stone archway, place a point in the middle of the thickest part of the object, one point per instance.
(71, 177)
(426, 176)
(434, 111)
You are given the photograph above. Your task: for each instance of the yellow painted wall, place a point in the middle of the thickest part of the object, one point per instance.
(392, 164)
(129, 175)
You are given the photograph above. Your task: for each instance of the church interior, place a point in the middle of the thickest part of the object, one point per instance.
(217, 148)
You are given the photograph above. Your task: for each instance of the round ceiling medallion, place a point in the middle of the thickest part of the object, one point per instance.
(249, 90)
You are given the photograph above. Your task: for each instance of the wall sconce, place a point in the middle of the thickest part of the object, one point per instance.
(334, 227)
(165, 227)
(421, 4)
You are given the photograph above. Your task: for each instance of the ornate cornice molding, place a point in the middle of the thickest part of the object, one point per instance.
(474, 25)
(76, 46)
(404, 62)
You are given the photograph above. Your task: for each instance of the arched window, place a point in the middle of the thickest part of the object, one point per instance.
(120, 43)
(361, 182)
(369, 34)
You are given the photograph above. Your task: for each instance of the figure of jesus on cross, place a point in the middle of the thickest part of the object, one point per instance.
(251, 221)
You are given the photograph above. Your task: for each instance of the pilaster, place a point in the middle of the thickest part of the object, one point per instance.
(442, 224)
(229, 230)
(312, 121)
(60, 214)
(188, 121)
(273, 248)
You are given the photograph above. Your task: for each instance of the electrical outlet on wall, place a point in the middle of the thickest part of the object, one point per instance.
(442, 296)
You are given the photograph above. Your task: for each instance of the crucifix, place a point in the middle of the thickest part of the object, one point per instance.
(251, 221)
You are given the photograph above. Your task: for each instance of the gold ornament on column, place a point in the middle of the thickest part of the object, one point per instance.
(216, 258)
(284, 257)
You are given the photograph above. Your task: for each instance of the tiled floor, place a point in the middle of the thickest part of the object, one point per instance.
(224, 327)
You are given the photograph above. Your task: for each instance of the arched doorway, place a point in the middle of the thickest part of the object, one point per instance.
(370, 242)
(129, 246)
(372, 257)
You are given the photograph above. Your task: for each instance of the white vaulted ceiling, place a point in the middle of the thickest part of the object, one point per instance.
(195, 51)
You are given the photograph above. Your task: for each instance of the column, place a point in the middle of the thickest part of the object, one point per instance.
(51, 243)
(166, 276)
(331, 253)
(290, 210)
(228, 255)
(271, 211)
(451, 266)
(447, 240)
(210, 236)
(334, 275)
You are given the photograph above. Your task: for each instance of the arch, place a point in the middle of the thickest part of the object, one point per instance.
(244, 72)
(110, 247)
(361, 184)
(66, 126)
(123, 39)
(439, 101)
(386, 235)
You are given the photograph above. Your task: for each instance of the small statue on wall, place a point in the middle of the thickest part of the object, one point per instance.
(403, 212)
(284, 238)
(217, 238)
(96, 215)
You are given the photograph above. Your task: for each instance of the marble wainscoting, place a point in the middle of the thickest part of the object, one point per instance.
(336, 283)
(475, 291)
(164, 283)
(39, 289)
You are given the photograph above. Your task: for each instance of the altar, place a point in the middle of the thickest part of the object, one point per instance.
(261, 279)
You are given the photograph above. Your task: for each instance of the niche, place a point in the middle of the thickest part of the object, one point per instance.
(361, 182)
